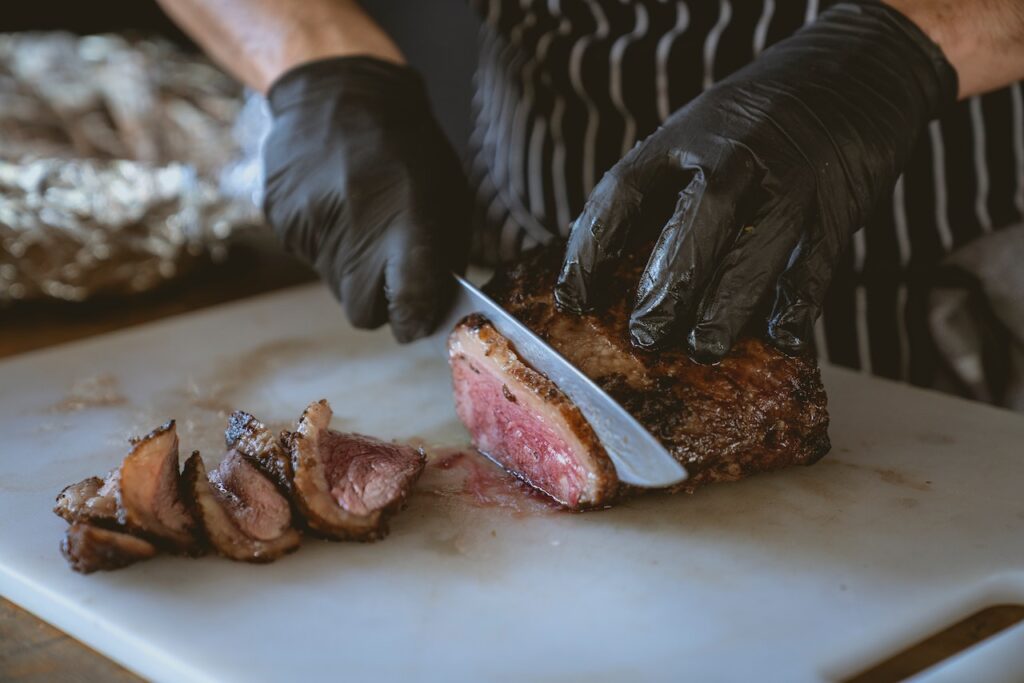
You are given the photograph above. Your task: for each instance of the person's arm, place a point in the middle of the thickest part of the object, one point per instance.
(259, 40)
(982, 39)
(360, 179)
(776, 166)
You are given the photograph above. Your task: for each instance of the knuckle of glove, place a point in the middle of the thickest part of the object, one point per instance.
(363, 313)
(597, 236)
(415, 289)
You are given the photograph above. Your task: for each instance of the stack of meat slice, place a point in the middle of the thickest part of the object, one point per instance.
(251, 507)
(343, 486)
(132, 513)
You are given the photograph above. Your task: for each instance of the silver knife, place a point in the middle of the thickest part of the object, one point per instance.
(639, 457)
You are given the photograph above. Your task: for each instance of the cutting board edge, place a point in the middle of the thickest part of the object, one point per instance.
(100, 635)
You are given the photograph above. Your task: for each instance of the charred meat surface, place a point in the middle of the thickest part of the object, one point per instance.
(241, 512)
(91, 500)
(756, 410)
(148, 496)
(88, 548)
(255, 441)
(346, 485)
(519, 418)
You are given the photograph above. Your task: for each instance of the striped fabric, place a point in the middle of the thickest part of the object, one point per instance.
(565, 87)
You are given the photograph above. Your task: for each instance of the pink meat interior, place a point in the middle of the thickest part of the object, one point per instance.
(365, 474)
(252, 501)
(517, 429)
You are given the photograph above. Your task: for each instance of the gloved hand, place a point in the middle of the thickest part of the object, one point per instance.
(361, 182)
(776, 167)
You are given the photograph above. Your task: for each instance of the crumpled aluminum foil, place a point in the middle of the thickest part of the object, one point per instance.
(120, 163)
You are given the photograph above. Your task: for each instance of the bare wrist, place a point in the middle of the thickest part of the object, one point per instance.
(258, 40)
(305, 42)
(983, 40)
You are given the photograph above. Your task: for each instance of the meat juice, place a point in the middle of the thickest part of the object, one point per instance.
(464, 474)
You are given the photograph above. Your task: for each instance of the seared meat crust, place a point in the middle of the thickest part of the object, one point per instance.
(255, 441)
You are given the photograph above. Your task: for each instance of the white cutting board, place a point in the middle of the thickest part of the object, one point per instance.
(915, 519)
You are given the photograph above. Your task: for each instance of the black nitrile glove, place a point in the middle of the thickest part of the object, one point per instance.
(361, 182)
(776, 167)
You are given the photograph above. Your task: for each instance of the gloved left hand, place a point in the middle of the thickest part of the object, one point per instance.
(363, 184)
(780, 164)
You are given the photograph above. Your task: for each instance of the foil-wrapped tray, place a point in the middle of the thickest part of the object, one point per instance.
(120, 163)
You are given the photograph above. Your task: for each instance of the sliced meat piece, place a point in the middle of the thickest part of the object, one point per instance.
(520, 419)
(91, 500)
(148, 497)
(346, 485)
(756, 410)
(72, 499)
(241, 512)
(89, 548)
(255, 441)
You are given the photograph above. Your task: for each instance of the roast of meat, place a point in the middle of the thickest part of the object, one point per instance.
(346, 485)
(756, 410)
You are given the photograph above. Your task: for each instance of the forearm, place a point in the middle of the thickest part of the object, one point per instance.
(258, 40)
(982, 39)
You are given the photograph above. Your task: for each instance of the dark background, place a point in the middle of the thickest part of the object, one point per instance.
(438, 37)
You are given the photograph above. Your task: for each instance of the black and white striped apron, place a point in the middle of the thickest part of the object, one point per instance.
(565, 87)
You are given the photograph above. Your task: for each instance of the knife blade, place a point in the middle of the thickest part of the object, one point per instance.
(639, 458)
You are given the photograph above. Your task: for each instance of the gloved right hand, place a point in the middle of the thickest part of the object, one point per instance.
(774, 167)
(362, 183)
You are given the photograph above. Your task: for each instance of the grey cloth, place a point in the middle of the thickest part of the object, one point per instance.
(976, 316)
